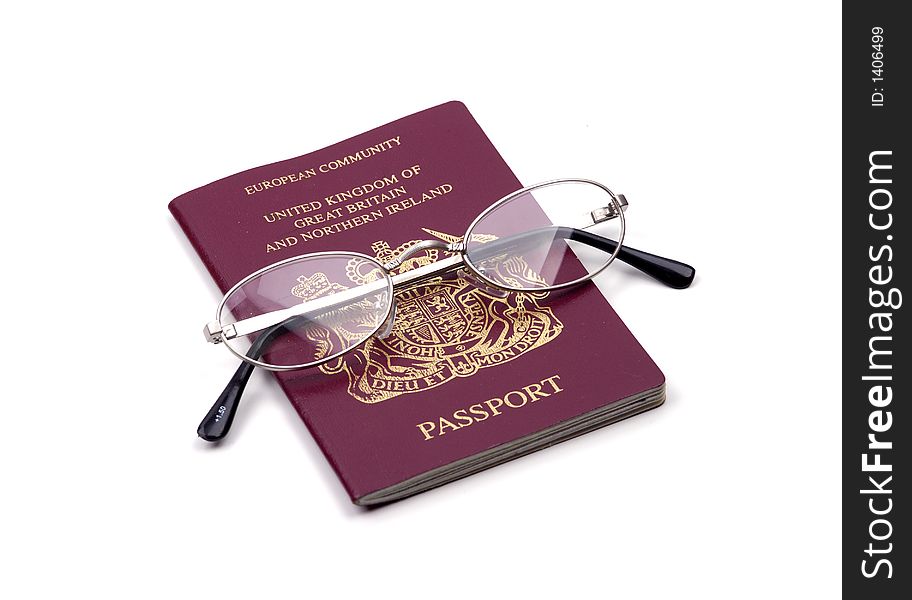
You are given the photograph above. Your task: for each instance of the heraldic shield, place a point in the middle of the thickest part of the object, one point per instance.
(444, 328)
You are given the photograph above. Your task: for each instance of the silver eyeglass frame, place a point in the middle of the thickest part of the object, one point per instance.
(606, 214)
(230, 329)
(216, 332)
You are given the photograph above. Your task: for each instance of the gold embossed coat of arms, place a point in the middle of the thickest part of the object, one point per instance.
(444, 328)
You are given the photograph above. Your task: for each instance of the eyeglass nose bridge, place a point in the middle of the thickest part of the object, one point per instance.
(387, 328)
(421, 246)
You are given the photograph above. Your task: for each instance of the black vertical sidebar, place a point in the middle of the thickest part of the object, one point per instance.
(877, 370)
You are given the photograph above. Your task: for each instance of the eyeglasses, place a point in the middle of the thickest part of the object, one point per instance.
(310, 309)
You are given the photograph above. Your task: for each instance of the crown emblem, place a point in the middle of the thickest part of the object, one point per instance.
(315, 286)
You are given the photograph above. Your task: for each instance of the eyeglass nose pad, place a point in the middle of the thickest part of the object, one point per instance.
(387, 328)
(474, 280)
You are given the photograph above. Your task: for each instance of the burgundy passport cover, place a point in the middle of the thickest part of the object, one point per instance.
(403, 408)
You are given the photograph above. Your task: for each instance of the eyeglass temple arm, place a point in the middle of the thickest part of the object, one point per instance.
(217, 422)
(672, 273)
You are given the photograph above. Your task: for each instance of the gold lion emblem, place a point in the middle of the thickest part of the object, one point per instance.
(444, 328)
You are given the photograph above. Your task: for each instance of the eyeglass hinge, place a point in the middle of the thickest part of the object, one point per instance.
(213, 332)
(609, 212)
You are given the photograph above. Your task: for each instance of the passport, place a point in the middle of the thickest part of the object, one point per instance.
(481, 379)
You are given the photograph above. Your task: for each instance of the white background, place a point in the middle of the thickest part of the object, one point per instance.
(722, 125)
